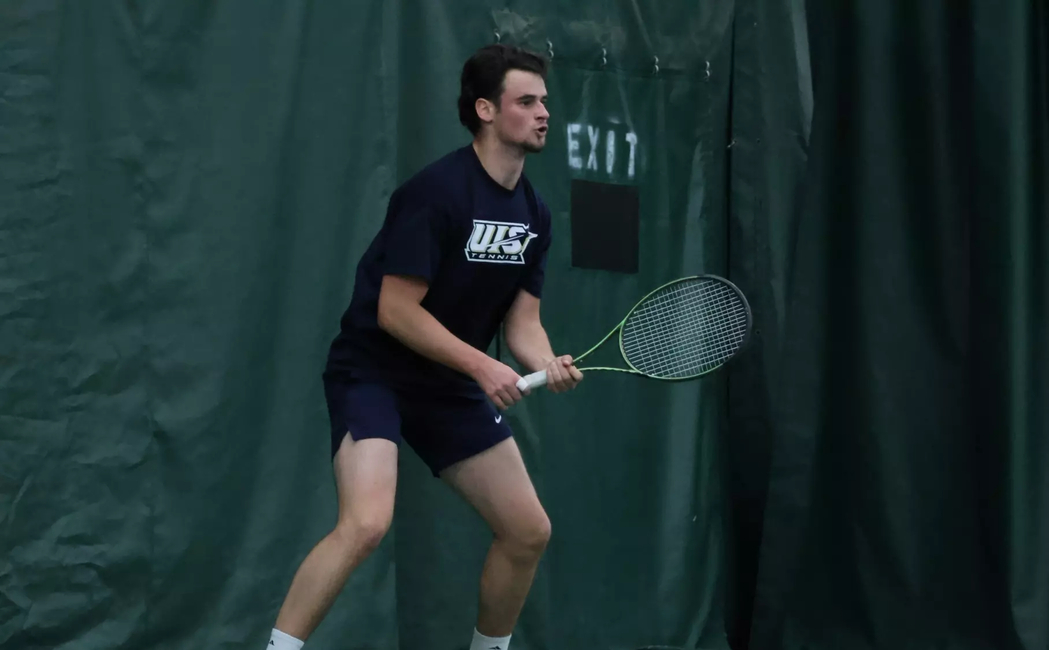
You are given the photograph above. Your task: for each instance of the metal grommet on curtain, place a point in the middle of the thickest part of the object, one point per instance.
(549, 48)
(498, 36)
(708, 69)
(604, 57)
(655, 64)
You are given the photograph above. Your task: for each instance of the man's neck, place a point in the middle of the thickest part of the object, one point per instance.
(504, 164)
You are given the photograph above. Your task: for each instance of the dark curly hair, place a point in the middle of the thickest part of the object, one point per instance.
(483, 76)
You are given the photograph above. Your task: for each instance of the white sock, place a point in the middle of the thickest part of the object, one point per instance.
(482, 642)
(281, 641)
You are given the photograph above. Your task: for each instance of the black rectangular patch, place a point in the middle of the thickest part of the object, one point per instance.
(605, 226)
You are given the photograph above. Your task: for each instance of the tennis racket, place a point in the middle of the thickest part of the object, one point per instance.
(682, 330)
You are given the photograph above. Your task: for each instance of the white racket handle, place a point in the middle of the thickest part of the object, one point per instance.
(532, 381)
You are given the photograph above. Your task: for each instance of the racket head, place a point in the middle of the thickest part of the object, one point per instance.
(686, 328)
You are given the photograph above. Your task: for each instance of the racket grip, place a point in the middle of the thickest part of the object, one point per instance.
(532, 381)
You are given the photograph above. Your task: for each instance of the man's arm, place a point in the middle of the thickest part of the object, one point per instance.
(401, 315)
(528, 342)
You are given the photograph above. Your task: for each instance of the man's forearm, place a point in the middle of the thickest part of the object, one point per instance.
(411, 324)
(530, 345)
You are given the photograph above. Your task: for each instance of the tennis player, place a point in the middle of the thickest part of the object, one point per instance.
(463, 249)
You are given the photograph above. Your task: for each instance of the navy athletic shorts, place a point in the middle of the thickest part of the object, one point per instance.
(441, 429)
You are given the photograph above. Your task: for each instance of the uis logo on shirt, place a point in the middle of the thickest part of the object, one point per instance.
(498, 242)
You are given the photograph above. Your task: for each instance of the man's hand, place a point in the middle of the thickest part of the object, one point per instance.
(562, 375)
(499, 383)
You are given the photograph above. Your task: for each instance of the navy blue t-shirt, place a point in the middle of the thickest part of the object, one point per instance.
(474, 241)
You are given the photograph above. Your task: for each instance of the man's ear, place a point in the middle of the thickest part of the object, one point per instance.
(486, 110)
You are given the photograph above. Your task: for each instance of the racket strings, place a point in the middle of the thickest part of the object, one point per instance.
(685, 330)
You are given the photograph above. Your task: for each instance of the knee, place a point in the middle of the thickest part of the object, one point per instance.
(362, 534)
(528, 541)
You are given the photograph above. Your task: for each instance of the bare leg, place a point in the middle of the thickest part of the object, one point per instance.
(366, 479)
(496, 483)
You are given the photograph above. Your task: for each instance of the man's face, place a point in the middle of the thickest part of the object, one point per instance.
(521, 120)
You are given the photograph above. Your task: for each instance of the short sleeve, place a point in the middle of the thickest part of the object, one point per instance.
(414, 239)
(535, 276)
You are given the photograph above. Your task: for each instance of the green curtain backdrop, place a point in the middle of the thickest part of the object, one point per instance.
(908, 494)
(186, 188)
